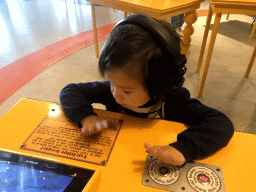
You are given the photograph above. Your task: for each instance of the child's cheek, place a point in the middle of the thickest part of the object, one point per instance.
(112, 89)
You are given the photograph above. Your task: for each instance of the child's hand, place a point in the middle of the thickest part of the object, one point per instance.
(93, 124)
(167, 154)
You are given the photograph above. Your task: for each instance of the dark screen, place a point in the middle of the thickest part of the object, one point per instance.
(23, 174)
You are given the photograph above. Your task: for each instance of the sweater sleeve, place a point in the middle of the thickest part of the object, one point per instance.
(76, 99)
(210, 130)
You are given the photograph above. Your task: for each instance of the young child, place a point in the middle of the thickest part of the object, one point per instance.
(145, 80)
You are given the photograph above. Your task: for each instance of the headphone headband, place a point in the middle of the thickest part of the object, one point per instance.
(153, 28)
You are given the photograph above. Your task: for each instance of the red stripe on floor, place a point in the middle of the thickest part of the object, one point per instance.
(19, 73)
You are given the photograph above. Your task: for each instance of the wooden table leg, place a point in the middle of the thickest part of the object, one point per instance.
(95, 30)
(206, 31)
(189, 19)
(209, 54)
(250, 64)
(253, 31)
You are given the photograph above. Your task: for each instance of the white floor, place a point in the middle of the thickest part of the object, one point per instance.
(37, 24)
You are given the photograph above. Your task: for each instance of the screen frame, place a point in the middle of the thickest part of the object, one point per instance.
(81, 176)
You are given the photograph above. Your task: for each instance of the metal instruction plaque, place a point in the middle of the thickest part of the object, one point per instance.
(57, 135)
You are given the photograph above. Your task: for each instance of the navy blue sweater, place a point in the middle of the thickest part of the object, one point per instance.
(209, 131)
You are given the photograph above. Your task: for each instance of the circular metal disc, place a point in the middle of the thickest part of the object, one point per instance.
(202, 178)
(162, 173)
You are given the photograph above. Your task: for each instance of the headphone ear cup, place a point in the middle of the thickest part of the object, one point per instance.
(165, 74)
(178, 79)
(160, 69)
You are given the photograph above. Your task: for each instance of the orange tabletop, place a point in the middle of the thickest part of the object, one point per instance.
(247, 7)
(244, 2)
(157, 9)
(124, 169)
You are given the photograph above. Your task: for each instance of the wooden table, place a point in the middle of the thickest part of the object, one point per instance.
(247, 7)
(125, 167)
(157, 9)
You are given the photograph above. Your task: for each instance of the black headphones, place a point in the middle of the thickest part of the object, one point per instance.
(163, 38)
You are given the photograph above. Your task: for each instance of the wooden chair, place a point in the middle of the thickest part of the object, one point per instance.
(253, 29)
(247, 7)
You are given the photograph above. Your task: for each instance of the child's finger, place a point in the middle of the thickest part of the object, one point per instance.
(98, 127)
(90, 130)
(152, 150)
(105, 124)
(147, 146)
(84, 130)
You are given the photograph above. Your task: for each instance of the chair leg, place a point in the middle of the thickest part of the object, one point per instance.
(227, 16)
(253, 30)
(250, 64)
(95, 30)
(125, 14)
(209, 54)
(206, 31)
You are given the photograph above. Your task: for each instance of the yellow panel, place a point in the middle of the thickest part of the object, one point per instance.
(125, 167)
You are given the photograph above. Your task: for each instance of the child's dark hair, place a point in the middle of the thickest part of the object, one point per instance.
(130, 44)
